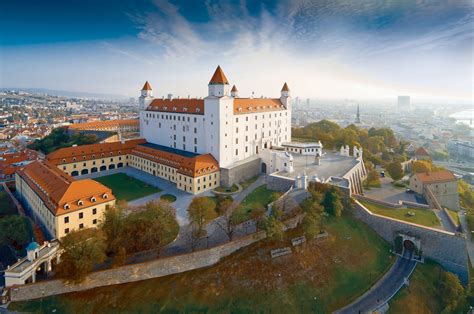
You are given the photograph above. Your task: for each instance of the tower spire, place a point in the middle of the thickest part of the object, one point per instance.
(358, 115)
(219, 77)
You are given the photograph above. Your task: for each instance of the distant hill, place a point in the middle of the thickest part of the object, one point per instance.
(64, 93)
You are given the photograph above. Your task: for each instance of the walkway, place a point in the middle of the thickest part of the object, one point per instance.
(444, 220)
(384, 290)
(260, 181)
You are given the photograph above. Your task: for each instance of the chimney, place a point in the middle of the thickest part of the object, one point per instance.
(170, 96)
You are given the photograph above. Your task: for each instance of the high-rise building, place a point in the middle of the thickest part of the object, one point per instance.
(358, 115)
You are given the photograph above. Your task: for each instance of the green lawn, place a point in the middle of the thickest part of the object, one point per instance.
(127, 188)
(6, 205)
(233, 188)
(168, 197)
(261, 196)
(318, 277)
(454, 215)
(422, 216)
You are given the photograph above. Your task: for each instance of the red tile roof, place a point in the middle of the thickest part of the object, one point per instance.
(255, 105)
(421, 152)
(218, 77)
(176, 105)
(147, 86)
(92, 151)
(95, 125)
(285, 88)
(57, 189)
(436, 177)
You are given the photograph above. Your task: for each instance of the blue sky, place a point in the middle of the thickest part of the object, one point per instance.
(324, 49)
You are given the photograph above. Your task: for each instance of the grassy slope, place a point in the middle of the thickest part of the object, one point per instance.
(127, 188)
(422, 295)
(168, 197)
(422, 216)
(320, 276)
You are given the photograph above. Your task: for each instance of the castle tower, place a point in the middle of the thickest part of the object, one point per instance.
(219, 85)
(234, 92)
(285, 96)
(146, 96)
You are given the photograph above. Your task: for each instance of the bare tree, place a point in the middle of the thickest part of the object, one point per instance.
(228, 221)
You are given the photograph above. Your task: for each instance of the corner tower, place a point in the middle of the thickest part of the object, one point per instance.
(219, 85)
(146, 96)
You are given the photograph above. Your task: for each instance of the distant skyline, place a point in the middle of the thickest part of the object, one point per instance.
(323, 49)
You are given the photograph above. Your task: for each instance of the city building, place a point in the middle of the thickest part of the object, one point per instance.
(422, 154)
(461, 149)
(130, 125)
(440, 188)
(59, 202)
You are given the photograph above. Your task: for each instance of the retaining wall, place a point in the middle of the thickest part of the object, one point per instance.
(281, 184)
(240, 173)
(446, 248)
(136, 272)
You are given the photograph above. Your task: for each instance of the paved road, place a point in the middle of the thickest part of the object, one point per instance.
(445, 221)
(384, 289)
(390, 193)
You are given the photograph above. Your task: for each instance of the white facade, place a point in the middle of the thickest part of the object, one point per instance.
(309, 149)
(230, 128)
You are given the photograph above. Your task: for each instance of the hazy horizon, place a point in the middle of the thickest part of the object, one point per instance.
(323, 49)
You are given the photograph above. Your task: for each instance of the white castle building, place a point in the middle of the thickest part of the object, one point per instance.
(230, 128)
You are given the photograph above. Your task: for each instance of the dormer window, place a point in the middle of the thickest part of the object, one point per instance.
(249, 108)
(83, 157)
(105, 196)
(239, 109)
(174, 108)
(66, 206)
(93, 200)
(93, 156)
(198, 110)
(74, 158)
(80, 203)
(64, 160)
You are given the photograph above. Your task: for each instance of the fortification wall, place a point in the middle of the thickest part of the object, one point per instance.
(446, 248)
(136, 272)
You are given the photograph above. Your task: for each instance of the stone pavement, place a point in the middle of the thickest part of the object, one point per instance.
(390, 193)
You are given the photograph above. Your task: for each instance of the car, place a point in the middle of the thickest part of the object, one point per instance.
(408, 190)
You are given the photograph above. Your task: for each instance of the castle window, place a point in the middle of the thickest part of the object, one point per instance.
(105, 196)
(66, 206)
(81, 215)
(93, 199)
(80, 203)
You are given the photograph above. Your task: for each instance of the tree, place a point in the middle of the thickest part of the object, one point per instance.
(81, 251)
(395, 170)
(421, 166)
(15, 230)
(332, 203)
(200, 210)
(274, 228)
(312, 221)
(113, 225)
(151, 228)
(258, 213)
(373, 179)
(451, 292)
(229, 219)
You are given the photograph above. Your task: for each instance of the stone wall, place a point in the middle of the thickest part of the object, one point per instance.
(136, 272)
(240, 172)
(281, 184)
(446, 248)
